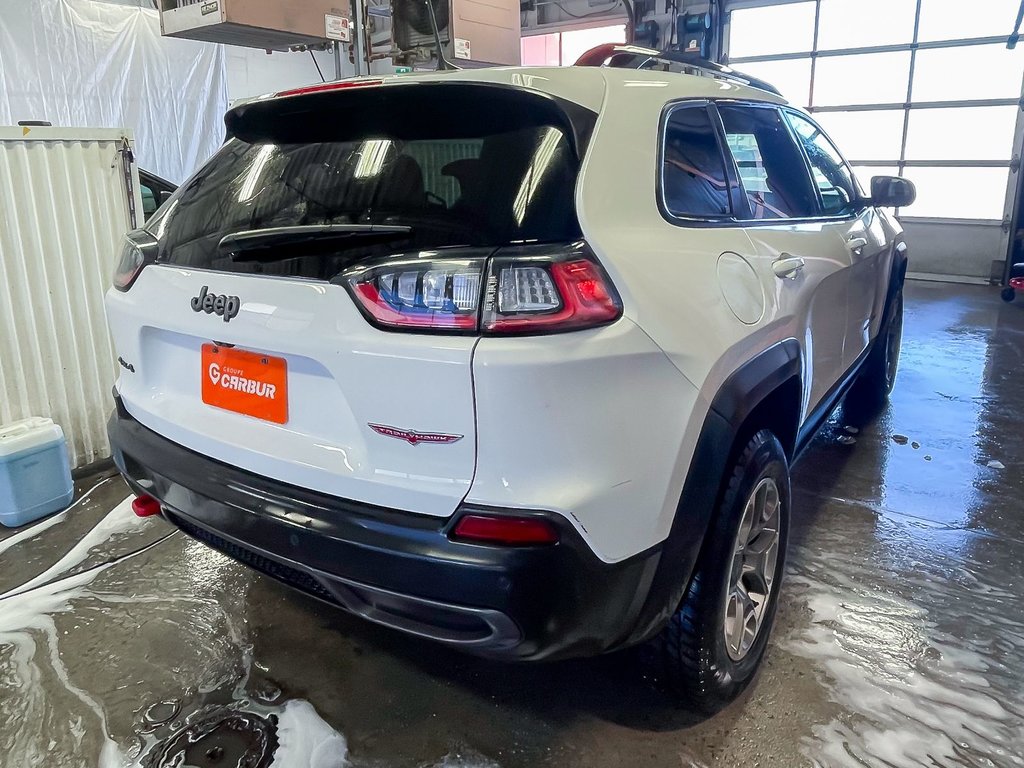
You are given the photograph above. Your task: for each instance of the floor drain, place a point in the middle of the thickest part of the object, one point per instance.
(161, 713)
(219, 740)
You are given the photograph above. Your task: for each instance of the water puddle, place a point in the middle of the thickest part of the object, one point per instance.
(34, 530)
(122, 665)
(924, 660)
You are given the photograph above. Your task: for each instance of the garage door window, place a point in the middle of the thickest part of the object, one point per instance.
(772, 171)
(694, 181)
(918, 87)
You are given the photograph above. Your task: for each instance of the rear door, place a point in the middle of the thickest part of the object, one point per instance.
(806, 264)
(253, 334)
(856, 225)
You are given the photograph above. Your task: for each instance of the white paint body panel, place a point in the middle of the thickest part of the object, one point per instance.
(342, 375)
(63, 213)
(597, 425)
(579, 423)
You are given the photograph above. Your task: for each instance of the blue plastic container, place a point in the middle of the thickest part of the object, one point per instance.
(35, 474)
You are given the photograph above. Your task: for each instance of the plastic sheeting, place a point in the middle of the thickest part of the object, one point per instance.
(97, 64)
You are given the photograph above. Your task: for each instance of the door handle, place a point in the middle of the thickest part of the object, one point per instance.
(856, 244)
(787, 267)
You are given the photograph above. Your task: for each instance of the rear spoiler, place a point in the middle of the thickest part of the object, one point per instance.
(350, 110)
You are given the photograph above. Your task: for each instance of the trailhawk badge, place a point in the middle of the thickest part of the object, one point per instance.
(414, 438)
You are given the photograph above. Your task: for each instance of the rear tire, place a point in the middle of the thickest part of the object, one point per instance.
(1008, 294)
(877, 378)
(712, 646)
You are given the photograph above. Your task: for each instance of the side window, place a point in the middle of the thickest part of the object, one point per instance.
(694, 183)
(831, 173)
(149, 200)
(772, 169)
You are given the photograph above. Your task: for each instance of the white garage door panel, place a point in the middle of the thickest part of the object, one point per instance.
(954, 249)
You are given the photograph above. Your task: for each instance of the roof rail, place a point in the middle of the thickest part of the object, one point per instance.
(635, 57)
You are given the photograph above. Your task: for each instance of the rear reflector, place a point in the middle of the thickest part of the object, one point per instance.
(146, 506)
(504, 529)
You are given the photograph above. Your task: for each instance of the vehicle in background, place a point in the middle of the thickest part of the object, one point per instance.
(155, 192)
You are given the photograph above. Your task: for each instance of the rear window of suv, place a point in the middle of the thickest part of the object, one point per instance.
(458, 180)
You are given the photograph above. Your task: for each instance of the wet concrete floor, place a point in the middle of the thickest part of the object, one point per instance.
(898, 641)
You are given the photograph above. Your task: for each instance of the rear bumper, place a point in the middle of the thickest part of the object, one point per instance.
(392, 567)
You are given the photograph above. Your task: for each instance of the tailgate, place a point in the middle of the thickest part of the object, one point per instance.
(256, 254)
(342, 376)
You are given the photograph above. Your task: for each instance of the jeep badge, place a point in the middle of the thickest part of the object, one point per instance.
(225, 306)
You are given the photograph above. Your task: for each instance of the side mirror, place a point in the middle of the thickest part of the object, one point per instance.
(165, 195)
(892, 192)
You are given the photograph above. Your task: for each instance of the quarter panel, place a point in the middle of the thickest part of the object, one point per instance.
(594, 425)
(668, 274)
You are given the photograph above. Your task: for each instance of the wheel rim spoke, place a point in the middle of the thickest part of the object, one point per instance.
(752, 576)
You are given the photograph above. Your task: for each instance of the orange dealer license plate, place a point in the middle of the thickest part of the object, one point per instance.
(246, 382)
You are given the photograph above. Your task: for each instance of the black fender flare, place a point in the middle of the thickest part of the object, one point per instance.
(897, 274)
(741, 393)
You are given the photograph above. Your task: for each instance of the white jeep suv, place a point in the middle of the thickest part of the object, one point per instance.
(514, 359)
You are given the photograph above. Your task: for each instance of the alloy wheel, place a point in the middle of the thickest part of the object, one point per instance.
(752, 575)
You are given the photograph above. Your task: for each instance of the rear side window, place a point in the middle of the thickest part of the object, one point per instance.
(831, 173)
(771, 167)
(452, 182)
(694, 183)
(149, 201)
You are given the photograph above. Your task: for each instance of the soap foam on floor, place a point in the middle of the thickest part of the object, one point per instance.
(27, 628)
(118, 521)
(60, 724)
(306, 741)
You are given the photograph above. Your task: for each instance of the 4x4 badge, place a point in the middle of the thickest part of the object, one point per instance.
(414, 438)
(225, 306)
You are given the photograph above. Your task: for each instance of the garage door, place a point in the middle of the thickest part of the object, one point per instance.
(906, 87)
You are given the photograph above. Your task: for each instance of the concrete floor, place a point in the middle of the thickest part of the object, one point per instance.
(899, 641)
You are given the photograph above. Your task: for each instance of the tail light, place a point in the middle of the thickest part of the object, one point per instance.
(420, 294)
(139, 249)
(529, 289)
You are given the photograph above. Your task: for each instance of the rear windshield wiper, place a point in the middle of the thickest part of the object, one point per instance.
(279, 243)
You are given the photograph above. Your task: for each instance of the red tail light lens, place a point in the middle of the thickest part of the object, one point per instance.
(524, 297)
(420, 294)
(139, 249)
(528, 289)
(506, 530)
